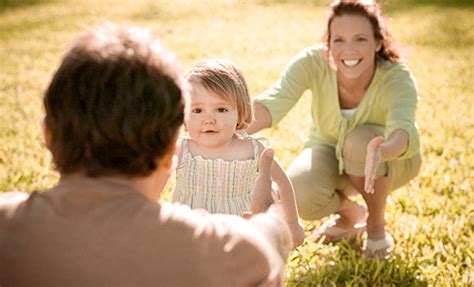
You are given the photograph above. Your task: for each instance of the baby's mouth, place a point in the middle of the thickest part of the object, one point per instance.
(351, 63)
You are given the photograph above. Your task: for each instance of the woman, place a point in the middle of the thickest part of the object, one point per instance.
(363, 133)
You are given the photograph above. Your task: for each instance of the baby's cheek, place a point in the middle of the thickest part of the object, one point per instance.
(231, 119)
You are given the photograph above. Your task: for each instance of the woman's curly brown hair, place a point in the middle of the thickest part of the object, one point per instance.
(372, 11)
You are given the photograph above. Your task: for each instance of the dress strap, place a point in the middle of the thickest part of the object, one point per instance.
(184, 151)
(256, 154)
(245, 135)
(185, 144)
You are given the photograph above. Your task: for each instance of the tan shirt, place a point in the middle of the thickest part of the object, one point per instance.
(104, 232)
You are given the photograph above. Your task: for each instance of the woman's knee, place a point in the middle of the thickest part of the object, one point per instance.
(355, 148)
(313, 200)
(404, 171)
(355, 144)
(317, 204)
(315, 179)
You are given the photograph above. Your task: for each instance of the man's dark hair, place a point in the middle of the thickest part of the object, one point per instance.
(115, 104)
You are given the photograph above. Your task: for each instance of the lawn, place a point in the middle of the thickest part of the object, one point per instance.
(431, 219)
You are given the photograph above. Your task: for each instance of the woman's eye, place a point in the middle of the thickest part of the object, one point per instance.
(222, 110)
(196, 111)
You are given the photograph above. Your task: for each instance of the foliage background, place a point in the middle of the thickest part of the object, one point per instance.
(431, 219)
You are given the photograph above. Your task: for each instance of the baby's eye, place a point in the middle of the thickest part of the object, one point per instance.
(222, 110)
(337, 40)
(361, 39)
(196, 111)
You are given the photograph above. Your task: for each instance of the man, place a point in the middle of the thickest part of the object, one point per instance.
(114, 109)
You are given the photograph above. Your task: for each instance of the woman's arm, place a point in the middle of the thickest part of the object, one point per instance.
(298, 76)
(380, 150)
(262, 118)
(395, 145)
(401, 139)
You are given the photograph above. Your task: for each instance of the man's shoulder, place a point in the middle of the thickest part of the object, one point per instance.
(216, 227)
(176, 213)
(10, 201)
(231, 241)
(9, 204)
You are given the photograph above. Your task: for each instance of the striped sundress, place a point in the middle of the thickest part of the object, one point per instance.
(217, 185)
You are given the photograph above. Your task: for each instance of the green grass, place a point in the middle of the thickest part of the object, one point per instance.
(431, 219)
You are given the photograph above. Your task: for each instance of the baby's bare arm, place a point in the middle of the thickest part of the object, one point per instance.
(286, 196)
(288, 203)
(286, 193)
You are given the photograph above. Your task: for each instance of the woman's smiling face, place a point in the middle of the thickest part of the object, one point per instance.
(352, 45)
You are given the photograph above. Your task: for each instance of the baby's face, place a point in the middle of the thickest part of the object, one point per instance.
(212, 120)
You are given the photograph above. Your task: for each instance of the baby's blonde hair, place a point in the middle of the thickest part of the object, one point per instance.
(226, 80)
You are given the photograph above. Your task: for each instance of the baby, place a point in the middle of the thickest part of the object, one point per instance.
(219, 162)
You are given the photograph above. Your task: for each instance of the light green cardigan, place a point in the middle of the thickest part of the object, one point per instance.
(390, 101)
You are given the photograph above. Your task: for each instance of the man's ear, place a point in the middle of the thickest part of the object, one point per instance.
(170, 159)
(46, 133)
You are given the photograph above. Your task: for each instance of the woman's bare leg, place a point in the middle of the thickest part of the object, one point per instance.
(352, 215)
(350, 212)
(375, 205)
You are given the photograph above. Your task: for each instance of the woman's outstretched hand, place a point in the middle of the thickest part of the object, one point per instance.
(372, 162)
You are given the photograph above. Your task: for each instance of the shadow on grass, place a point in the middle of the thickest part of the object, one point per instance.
(392, 4)
(451, 27)
(161, 11)
(400, 5)
(345, 265)
(6, 5)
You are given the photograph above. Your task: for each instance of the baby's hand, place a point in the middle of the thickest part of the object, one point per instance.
(297, 233)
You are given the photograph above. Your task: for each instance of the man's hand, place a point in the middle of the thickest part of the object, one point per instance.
(261, 198)
(297, 234)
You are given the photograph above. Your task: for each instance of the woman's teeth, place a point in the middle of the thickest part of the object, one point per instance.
(350, 63)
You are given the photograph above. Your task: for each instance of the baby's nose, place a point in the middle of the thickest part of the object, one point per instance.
(209, 118)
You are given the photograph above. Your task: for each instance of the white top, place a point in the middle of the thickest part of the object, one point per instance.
(217, 185)
(347, 113)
